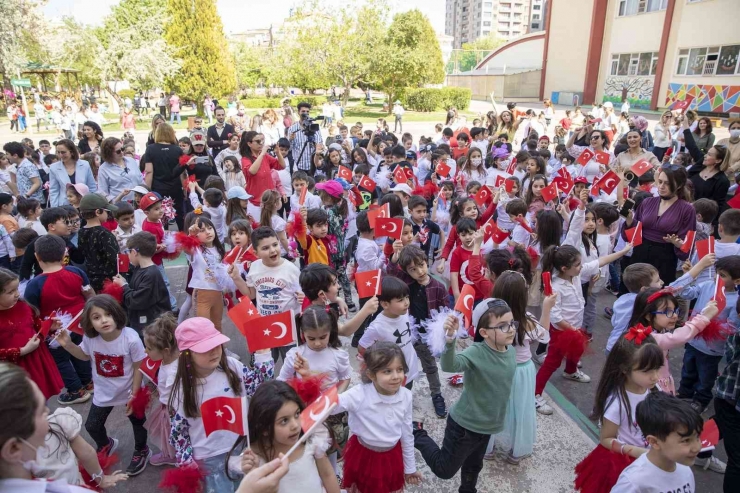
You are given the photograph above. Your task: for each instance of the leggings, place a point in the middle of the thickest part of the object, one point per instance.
(209, 304)
(95, 426)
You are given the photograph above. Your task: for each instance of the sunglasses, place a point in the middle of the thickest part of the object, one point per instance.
(672, 167)
(595, 137)
(119, 151)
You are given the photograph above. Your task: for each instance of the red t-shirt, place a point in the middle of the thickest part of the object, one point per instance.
(257, 184)
(61, 290)
(158, 231)
(458, 267)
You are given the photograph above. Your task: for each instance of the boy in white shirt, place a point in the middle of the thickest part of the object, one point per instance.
(368, 256)
(480, 141)
(126, 225)
(300, 181)
(671, 427)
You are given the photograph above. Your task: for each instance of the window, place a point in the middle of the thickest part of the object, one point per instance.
(632, 7)
(536, 7)
(535, 25)
(634, 64)
(486, 23)
(486, 33)
(709, 61)
(487, 5)
(535, 17)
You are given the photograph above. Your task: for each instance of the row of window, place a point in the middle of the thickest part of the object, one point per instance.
(634, 64)
(706, 61)
(632, 7)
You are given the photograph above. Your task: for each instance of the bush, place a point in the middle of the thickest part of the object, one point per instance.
(455, 97)
(314, 101)
(261, 103)
(422, 99)
(126, 93)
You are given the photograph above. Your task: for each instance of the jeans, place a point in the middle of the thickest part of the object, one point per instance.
(555, 355)
(398, 123)
(209, 115)
(461, 448)
(728, 421)
(698, 375)
(172, 117)
(216, 480)
(173, 301)
(429, 365)
(75, 372)
(95, 426)
(614, 275)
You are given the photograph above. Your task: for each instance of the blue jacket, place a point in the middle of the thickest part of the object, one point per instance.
(58, 179)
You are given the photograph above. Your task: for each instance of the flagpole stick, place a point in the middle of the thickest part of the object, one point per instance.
(310, 430)
(246, 424)
(377, 284)
(68, 325)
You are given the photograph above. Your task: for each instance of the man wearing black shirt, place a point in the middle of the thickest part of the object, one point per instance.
(218, 134)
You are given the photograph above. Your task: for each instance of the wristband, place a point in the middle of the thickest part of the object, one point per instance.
(98, 478)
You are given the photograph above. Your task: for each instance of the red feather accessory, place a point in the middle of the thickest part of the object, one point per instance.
(106, 464)
(573, 343)
(309, 388)
(186, 242)
(188, 479)
(114, 290)
(533, 255)
(717, 330)
(140, 402)
(296, 227)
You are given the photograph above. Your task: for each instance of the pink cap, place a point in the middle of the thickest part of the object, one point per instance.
(331, 187)
(199, 335)
(80, 188)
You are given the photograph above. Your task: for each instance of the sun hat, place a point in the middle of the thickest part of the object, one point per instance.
(93, 202)
(80, 188)
(199, 335)
(332, 187)
(148, 200)
(402, 187)
(237, 192)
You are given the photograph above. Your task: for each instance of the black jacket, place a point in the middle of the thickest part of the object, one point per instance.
(215, 142)
(145, 297)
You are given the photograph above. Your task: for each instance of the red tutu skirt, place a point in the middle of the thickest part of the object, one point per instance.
(368, 471)
(600, 470)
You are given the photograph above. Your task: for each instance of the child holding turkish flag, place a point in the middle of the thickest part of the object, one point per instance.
(464, 207)
(205, 372)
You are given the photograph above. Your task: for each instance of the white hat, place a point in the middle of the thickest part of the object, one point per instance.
(140, 189)
(237, 192)
(608, 104)
(402, 187)
(483, 307)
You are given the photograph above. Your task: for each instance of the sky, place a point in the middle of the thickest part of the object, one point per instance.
(235, 14)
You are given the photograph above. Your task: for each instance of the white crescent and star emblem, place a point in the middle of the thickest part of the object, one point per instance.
(283, 329)
(315, 417)
(387, 226)
(465, 301)
(233, 415)
(148, 365)
(381, 213)
(608, 183)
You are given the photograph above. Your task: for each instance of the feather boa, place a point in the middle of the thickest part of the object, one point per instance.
(170, 243)
(114, 290)
(186, 479)
(383, 179)
(140, 401)
(308, 389)
(186, 242)
(223, 279)
(716, 330)
(106, 464)
(296, 227)
(436, 337)
(168, 209)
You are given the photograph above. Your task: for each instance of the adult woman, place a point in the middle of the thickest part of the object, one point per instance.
(162, 103)
(635, 152)
(662, 139)
(69, 169)
(257, 166)
(507, 125)
(733, 146)
(156, 121)
(162, 169)
(641, 124)
(703, 136)
(208, 108)
(598, 142)
(270, 128)
(92, 137)
(577, 120)
(118, 173)
(671, 213)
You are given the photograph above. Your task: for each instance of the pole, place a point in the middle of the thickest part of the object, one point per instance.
(29, 127)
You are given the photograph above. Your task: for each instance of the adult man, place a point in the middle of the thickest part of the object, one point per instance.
(27, 175)
(298, 138)
(218, 134)
(175, 108)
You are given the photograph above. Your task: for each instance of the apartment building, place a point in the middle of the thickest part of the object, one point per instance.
(468, 20)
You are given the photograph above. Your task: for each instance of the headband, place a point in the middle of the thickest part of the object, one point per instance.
(659, 294)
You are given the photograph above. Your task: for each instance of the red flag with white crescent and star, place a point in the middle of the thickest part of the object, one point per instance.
(585, 157)
(150, 369)
(465, 302)
(243, 313)
(609, 182)
(317, 411)
(225, 413)
(392, 227)
(368, 283)
(271, 331)
(373, 214)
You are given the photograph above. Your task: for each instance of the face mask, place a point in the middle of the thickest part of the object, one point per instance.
(735, 133)
(476, 161)
(34, 465)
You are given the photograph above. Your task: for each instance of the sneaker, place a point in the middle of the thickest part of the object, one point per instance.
(712, 463)
(78, 397)
(578, 376)
(351, 307)
(580, 364)
(439, 405)
(233, 355)
(109, 449)
(138, 462)
(490, 456)
(698, 406)
(417, 426)
(539, 358)
(542, 406)
(161, 459)
(608, 311)
(90, 387)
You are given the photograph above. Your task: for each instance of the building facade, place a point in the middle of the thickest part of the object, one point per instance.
(648, 52)
(468, 20)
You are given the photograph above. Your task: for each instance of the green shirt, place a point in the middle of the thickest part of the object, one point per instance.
(488, 376)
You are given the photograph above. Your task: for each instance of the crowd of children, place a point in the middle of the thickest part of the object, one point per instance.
(449, 243)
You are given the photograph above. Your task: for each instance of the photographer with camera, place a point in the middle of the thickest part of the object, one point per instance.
(303, 136)
(257, 166)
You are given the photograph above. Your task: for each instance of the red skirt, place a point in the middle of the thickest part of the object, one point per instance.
(368, 471)
(600, 470)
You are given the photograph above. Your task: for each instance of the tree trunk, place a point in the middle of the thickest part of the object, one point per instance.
(345, 96)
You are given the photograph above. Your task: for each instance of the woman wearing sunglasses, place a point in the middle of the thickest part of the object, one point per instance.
(598, 142)
(118, 173)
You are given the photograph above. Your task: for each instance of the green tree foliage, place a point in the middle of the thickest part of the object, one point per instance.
(19, 41)
(409, 55)
(473, 53)
(249, 65)
(304, 50)
(195, 32)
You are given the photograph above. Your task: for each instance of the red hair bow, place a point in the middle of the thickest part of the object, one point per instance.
(661, 293)
(638, 333)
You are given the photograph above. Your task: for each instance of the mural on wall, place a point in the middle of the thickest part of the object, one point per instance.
(708, 98)
(635, 89)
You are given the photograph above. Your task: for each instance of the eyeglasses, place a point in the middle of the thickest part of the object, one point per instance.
(595, 137)
(669, 313)
(506, 327)
(72, 222)
(119, 151)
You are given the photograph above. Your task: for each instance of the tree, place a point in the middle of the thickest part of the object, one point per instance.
(19, 34)
(473, 53)
(249, 64)
(305, 50)
(195, 32)
(409, 55)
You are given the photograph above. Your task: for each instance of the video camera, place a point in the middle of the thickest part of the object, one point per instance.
(309, 125)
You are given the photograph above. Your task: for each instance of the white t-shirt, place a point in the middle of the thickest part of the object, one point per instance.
(396, 330)
(642, 476)
(629, 433)
(57, 461)
(278, 225)
(165, 380)
(112, 363)
(276, 287)
(334, 363)
(34, 225)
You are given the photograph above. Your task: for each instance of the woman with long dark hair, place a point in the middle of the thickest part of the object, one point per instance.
(92, 138)
(257, 165)
(162, 169)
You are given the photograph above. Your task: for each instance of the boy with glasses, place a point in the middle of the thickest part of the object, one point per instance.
(56, 222)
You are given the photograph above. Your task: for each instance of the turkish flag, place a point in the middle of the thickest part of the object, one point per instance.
(550, 192)
(465, 302)
(271, 331)
(564, 184)
(367, 183)
(233, 255)
(641, 167)
(563, 172)
(509, 185)
(524, 224)
(443, 170)
(384, 211)
(368, 283)
(511, 167)
(302, 197)
(392, 227)
(69, 322)
(409, 173)
(602, 157)
(547, 283)
(500, 180)
(243, 313)
(399, 176)
(609, 182)
(705, 247)
(709, 435)
(719, 294)
(734, 202)
(192, 178)
(123, 263)
(344, 172)
(491, 230)
(150, 368)
(225, 413)
(45, 327)
(634, 235)
(483, 196)
(585, 157)
(682, 105)
(318, 411)
(688, 242)
(594, 188)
